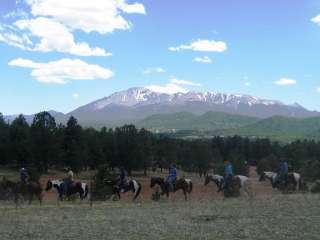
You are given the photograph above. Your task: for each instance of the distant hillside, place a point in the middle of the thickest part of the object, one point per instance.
(187, 121)
(278, 127)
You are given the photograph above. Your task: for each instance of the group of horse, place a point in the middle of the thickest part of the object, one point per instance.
(27, 191)
(293, 182)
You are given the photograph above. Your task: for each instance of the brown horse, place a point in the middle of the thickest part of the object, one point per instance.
(184, 184)
(22, 191)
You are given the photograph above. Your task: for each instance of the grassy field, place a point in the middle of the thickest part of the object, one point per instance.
(276, 217)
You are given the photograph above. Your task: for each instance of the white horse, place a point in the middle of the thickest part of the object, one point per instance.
(271, 176)
(220, 182)
(77, 187)
(292, 178)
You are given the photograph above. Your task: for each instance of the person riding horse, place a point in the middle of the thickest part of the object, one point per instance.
(172, 178)
(123, 179)
(68, 181)
(282, 171)
(24, 176)
(228, 174)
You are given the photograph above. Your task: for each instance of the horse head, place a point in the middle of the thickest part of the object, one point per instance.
(154, 181)
(110, 182)
(262, 177)
(207, 180)
(49, 185)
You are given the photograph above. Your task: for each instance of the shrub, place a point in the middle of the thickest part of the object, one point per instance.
(315, 188)
(99, 189)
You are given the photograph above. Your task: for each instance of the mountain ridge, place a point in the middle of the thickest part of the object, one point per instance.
(134, 105)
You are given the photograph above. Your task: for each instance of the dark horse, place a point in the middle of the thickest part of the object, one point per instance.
(184, 184)
(74, 188)
(132, 185)
(22, 191)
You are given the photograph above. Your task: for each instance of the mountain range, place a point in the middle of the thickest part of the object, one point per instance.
(198, 111)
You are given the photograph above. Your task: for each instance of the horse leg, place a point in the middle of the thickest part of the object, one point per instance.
(40, 198)
(30, 198)
(118, 194)
(185, 194)
(16, 199)
(137, 192)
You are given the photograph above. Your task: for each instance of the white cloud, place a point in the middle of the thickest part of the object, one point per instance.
(16, 14)
(19, 41)
(56, 37)
(184, 82)
(62, 71)
(285, 81)
(174, 86)
(247, 84)
(52, 23)
(153, 70)
(103, 16)
(202, 46)
(318, 89)
(204, 59)
(316, 19)
(75, 95)
(131, 8)
(10, 36)
(169, 88)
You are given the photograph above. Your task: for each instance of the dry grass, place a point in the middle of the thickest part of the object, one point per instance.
(279, 217)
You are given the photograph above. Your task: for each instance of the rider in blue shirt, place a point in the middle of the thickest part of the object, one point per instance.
(228, 174)
(283, 172)
(172, 178)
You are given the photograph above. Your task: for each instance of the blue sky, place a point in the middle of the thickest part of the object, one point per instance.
(63, 54)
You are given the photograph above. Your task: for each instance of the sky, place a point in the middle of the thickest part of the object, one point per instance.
(61, 54)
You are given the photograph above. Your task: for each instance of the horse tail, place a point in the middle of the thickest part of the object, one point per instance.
(190, 187)
(86, 191)
(137, 192)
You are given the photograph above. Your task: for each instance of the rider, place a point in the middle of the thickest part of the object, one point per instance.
(123, 178)
(68, 180)
(283, 170)
(228, 174)
(172, 178)
(24, 176)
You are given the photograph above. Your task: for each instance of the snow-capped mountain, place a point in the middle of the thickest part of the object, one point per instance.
(144, 96)
(137, 103)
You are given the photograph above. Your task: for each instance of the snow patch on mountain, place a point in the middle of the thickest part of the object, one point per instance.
(144, 96)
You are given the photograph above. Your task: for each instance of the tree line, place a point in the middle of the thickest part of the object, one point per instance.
(44, 144)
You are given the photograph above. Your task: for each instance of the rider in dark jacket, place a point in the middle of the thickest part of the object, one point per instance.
(24, 176)
(68, 181)
(123, 178)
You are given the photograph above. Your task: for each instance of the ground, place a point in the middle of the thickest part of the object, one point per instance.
(278, 217)
(268, 215)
